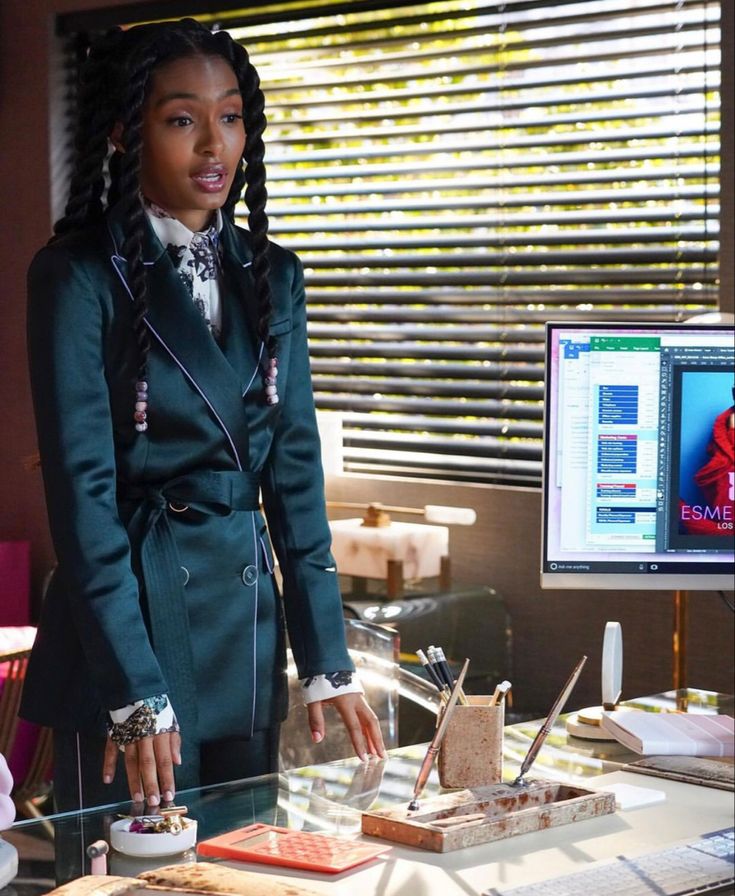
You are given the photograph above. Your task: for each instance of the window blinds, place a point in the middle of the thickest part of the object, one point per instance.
(454, 174)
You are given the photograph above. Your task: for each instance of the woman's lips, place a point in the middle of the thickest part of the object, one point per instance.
(210, 180)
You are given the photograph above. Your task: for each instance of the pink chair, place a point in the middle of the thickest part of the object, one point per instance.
(15, 570)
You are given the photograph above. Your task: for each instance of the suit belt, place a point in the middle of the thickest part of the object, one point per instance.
(206, 492)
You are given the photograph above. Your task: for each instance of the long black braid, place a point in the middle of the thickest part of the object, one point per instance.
(253, 175)
(113, 89)
(127, 185)
(94, 122)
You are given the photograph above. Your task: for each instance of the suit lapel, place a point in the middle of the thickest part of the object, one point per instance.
(176, 325)
(240, 342)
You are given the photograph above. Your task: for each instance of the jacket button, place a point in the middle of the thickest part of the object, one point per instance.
(185, 575)
(249, 575)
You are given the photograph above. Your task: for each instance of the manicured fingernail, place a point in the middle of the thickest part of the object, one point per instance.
(137, 797)
(317, 737)
(107, 779)
(365, 757)
(168, 796)
(154, 799)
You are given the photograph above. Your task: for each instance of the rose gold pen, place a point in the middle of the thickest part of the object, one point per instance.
(436, 740)
(544, 730)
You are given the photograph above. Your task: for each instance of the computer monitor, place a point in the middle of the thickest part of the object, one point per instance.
(639, 479)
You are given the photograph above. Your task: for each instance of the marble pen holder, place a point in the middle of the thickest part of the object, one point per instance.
(471, 753)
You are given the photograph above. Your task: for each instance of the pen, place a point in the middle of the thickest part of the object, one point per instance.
(549, 723)
(499, 693)
(441, 661)
(447, 673)
(436, 740)
(436, 666)
(430, 671)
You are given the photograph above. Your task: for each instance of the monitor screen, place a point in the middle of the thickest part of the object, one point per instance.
(639, 477)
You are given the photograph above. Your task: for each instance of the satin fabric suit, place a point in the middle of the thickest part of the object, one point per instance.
(164, 582)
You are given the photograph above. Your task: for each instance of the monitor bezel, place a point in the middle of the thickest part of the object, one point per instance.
(650, 580)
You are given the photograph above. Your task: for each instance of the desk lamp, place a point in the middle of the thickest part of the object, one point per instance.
(586, 722)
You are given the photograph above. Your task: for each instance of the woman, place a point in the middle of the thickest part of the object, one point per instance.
(171, 387)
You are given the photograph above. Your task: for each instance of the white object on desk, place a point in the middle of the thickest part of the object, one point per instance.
(365, 550)
(612, 664)
(672, 733)
(586, 723)
(630, 796)
(151, 844)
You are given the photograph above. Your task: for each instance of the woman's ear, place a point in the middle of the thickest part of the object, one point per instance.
(115, 136)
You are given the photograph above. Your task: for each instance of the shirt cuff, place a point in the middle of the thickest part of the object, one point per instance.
(144, 718)
(333, 684)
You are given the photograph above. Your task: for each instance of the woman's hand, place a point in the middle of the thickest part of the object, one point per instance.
(360, 721)
(149, 765)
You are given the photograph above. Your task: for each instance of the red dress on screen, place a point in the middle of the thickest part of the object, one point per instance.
(716, 481)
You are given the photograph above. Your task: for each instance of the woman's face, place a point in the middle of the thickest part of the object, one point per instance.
(193, 137)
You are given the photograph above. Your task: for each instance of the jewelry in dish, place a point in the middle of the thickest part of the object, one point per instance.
(154, 835)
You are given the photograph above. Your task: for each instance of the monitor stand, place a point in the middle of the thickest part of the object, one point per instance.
(681, 624)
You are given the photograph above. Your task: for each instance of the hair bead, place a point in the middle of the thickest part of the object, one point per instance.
(141, 406)
(270, 375)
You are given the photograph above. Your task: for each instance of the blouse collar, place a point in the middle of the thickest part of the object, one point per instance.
(177, 238)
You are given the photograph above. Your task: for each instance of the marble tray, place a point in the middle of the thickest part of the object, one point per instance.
(481, 814)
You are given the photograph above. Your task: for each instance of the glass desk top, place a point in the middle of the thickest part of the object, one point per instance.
(328, 797)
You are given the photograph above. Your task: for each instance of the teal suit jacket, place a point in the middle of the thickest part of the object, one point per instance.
(145, 599)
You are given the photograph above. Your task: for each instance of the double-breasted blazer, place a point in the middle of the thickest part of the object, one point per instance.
(164, 579)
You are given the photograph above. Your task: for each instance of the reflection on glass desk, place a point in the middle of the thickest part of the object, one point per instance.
(463, 621)
(330, 797)
(373, 649)
(573, 759)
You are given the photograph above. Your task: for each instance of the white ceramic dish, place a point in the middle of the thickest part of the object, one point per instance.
(164, 844)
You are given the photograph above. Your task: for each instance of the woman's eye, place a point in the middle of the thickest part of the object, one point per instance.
(232, 117)
(180, 121)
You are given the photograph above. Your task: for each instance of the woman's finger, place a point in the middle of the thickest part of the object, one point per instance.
(368, 722)
(148, 770)
(347, 708)
(162, 749)
(315, 713)
(133, 773)
(140, 766)
(371, 728)
(109, 762)
(176, 748)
